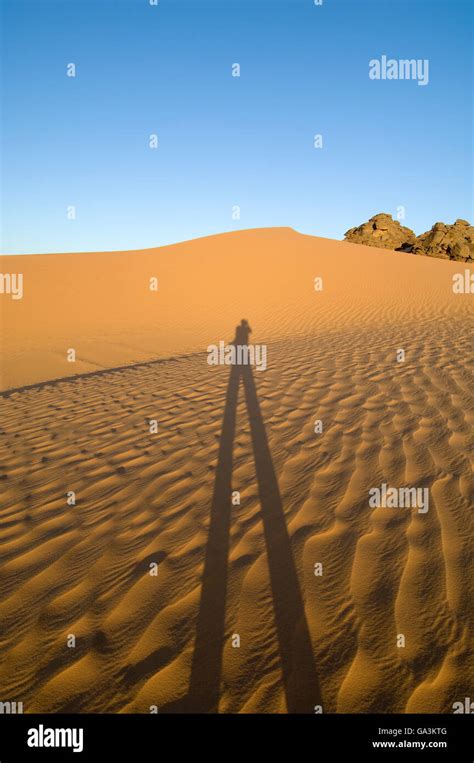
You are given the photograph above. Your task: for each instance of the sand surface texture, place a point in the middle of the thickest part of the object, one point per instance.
(236, 620)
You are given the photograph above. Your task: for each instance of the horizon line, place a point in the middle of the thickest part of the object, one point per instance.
(287, 228)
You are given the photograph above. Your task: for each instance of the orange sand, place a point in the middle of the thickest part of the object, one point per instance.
(144, 498)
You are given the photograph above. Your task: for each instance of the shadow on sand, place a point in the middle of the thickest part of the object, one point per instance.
(296, 655)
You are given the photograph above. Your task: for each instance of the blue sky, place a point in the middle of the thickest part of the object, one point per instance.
(224, 140)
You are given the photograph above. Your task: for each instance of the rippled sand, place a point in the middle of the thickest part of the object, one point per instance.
(143, 498)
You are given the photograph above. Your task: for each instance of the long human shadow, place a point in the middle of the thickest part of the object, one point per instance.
(299, 674)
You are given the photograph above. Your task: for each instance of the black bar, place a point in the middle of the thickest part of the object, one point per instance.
(318, 738)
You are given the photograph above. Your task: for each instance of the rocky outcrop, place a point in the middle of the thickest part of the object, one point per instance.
(450, 242)
(382, 231)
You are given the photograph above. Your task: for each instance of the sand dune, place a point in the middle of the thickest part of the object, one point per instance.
(101, 305)
(143, 498)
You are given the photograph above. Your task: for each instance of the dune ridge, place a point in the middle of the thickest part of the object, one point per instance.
(101, 305)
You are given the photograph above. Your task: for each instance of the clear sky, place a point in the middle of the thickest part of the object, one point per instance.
(224, 140)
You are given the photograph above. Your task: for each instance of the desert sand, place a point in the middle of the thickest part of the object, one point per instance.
(168, 641)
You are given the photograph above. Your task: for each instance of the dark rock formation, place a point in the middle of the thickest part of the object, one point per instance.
(449, 242)
(383, 232)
